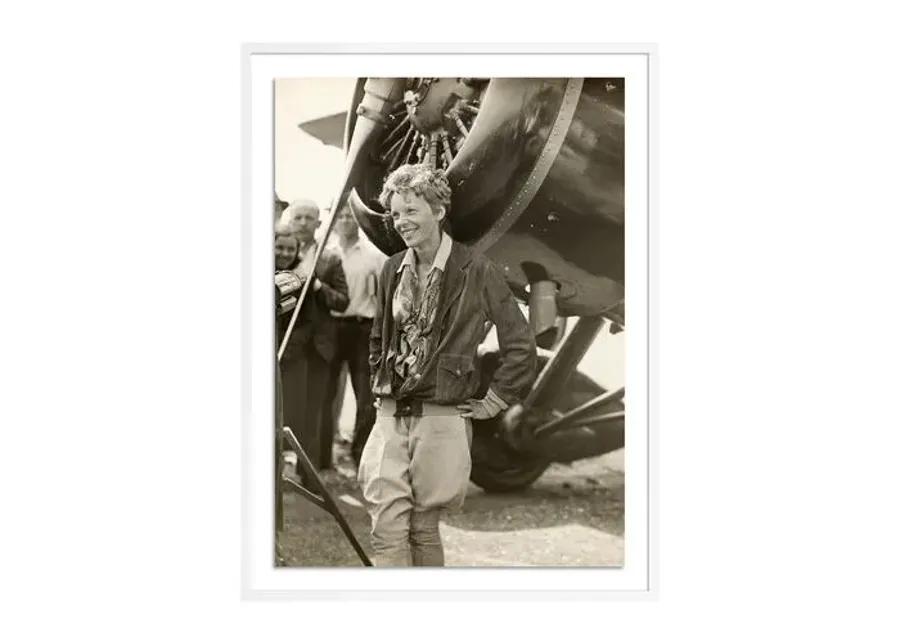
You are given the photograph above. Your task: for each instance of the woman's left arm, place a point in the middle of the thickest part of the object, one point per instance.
(518, 352)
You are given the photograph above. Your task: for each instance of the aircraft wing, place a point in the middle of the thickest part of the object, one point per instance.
(328, 129)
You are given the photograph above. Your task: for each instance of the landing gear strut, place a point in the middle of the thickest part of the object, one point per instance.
(567, 416)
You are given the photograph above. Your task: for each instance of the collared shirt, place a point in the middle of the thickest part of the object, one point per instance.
(414, 309)
(362, 264)
(440, 257)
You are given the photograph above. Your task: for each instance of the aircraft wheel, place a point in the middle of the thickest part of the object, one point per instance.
(495, 466)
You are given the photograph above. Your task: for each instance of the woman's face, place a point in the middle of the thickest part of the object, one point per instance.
(414, 219)
(286, 248)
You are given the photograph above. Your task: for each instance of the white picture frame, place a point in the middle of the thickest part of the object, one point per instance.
(261, 64)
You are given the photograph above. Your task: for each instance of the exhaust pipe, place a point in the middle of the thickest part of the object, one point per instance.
(381, 94)
(542, 310)
(377, 226)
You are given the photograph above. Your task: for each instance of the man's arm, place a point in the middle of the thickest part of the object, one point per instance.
(332, 288)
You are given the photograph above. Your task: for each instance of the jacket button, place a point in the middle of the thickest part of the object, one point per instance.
(458, 372)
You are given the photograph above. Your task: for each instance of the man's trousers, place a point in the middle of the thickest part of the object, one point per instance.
(352, 348)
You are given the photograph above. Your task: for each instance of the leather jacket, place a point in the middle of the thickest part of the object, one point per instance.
(473, 292)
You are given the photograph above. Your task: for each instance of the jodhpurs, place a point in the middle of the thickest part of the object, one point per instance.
(412, 468)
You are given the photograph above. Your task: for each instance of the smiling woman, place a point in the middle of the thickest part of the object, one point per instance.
(433, 302)
(493, 199)
(418, 199)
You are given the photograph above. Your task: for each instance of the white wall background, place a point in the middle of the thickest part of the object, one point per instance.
(777, 344)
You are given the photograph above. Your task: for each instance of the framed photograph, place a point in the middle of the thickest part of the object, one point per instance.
(438, 329)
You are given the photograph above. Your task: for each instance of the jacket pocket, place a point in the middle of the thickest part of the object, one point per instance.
(455, 380)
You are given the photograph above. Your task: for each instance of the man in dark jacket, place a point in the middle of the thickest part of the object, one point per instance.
(433, 303)
(313, 342)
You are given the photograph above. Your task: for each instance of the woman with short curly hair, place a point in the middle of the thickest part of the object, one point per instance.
(433, 301)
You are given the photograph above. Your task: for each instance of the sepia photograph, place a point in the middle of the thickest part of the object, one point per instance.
(489, 330)
(465, 330)
(450, 323)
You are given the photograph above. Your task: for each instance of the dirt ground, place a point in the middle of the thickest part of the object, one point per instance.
(572, 516)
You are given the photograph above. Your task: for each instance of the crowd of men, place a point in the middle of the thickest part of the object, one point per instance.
(332, 329)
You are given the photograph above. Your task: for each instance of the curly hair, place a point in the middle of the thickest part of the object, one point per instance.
(421, 180)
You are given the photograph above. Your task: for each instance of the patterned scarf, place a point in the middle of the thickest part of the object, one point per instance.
(414, 316)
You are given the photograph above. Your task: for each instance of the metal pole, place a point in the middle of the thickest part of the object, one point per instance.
(325, 501)
(556, 373)
(578, 414)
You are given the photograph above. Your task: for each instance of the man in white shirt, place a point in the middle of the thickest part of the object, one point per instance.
(362, 264)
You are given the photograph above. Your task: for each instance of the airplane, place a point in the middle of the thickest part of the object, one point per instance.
(536, 166)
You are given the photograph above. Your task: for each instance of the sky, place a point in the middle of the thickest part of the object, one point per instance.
(304, 167)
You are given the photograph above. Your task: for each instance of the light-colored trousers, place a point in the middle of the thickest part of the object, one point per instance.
(412, 469)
